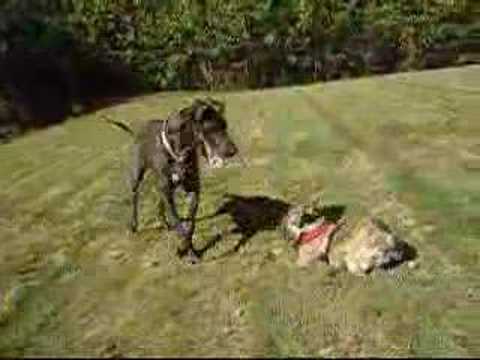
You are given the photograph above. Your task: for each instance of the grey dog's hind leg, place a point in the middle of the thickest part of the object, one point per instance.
(137, 174)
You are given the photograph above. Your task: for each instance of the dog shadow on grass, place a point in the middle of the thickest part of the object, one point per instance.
(253, 214)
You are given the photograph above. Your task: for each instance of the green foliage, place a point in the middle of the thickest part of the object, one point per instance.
(156, 37)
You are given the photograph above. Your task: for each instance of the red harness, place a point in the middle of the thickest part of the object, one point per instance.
(320, 230)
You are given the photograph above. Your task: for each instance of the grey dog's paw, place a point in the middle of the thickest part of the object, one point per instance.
(189, 255)
(183, 228)
(133, 227)
(191, 258)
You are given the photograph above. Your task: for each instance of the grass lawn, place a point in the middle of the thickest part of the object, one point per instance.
(74, 282)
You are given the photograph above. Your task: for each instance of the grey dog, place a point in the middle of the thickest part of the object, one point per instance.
(169, 148)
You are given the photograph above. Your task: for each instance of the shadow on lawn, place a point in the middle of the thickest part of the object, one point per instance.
(253, 214)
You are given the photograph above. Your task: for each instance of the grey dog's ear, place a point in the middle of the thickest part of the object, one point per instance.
(199, 110)
(218, 105)
(200, 106)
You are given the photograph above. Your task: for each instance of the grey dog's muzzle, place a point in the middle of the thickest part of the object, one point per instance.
(214, 160)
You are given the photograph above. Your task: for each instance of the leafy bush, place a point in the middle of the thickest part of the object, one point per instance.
(170, 42)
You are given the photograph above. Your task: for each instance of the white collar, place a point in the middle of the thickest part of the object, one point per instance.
(167, 145)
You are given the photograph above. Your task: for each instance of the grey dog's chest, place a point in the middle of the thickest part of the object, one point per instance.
(182, 171)
(157, 155)
(178, 172)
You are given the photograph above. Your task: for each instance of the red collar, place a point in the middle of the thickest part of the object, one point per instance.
(320, 230)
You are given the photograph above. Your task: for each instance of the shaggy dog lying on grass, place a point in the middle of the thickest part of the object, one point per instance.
(359, 247)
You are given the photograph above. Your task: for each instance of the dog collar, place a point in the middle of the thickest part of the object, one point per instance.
(316, 232)
(166, 143)
(168, 146)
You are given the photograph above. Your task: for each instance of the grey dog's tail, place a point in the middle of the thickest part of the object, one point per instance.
(119, 124)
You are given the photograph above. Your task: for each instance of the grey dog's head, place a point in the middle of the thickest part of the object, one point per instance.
(212, 129)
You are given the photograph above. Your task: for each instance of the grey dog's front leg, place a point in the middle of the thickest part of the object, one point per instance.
(168, 200)
(193, 201)
(174, 221)
(188, 226)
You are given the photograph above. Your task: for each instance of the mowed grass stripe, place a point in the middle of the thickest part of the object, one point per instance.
(66, 206)
(255, 303)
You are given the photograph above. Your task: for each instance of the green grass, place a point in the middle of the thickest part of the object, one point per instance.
(73, 281)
